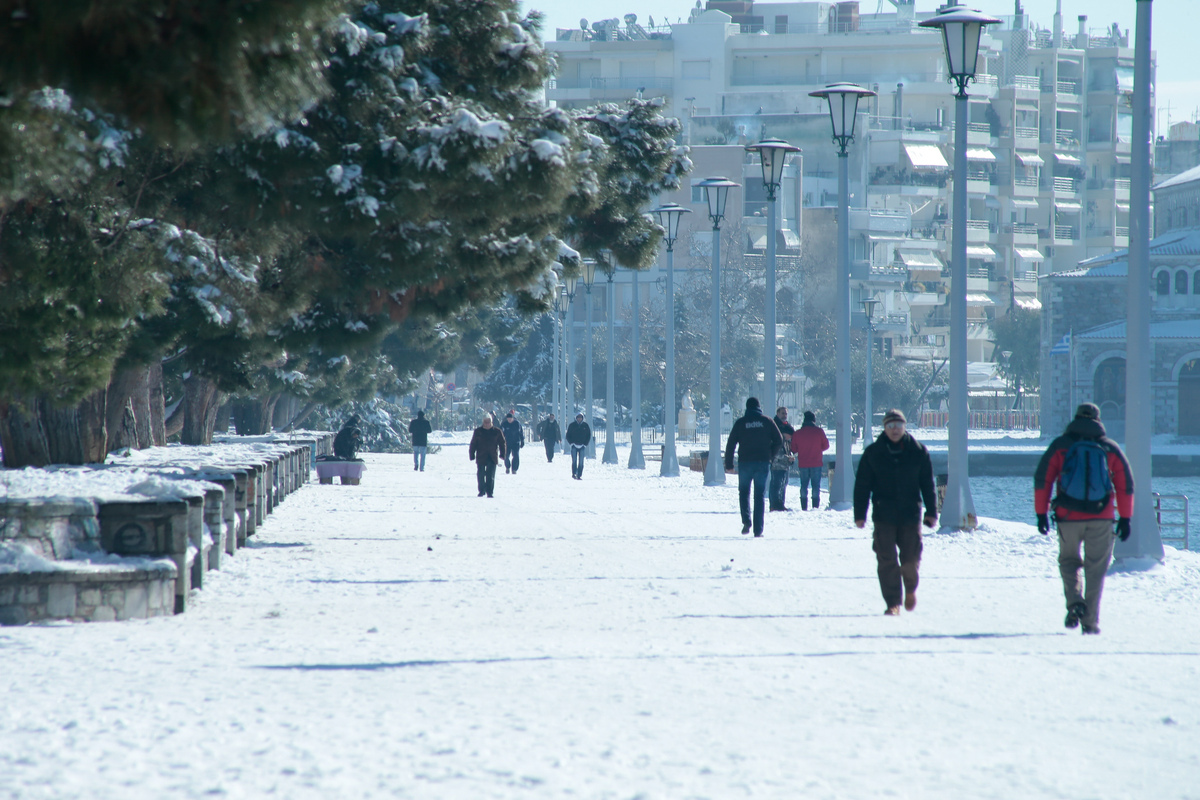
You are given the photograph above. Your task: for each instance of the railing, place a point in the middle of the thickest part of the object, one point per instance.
(987, 420)
(978, 224)
(1067, 87)
(1121, 183)
(1064, 184)
(1025, 182)
(606, 84)
(1120, 231)
(1027, 82)
(1064, 232)
(1028, 228)
(1022, 132)
(1066, 138)
(1174, 530)
(979, 127)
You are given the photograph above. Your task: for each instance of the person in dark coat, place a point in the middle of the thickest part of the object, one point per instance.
(809, 445)
(781, 466)
(486, 450)
(348, 439)
(514, 440)
(1093, 529)
(579, 433)
(420, 429)
(551, 435)
(896, 475)
(757, 441)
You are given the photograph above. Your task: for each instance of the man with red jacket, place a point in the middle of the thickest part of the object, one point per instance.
(1091, 526)
(809, 443)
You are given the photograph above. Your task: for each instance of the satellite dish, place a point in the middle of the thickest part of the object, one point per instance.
(583, 24)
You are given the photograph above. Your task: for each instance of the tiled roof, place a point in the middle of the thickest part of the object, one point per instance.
(1184, 177)
(1182, 242)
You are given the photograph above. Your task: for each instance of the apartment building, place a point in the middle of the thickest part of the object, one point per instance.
(1048, 138)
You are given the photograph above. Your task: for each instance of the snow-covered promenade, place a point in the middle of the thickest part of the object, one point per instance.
(610, 638)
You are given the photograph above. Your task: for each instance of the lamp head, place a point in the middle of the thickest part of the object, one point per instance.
(869, 307)
(961, 29)
(773, 154)
(716, 192)
(843, 109)
(589, 273)
(570, 282)
(669, 215)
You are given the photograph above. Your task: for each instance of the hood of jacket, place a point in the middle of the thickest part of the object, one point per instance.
(1083, 428)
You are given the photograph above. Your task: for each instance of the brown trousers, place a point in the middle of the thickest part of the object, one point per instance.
(897, 573)
(1096, 536)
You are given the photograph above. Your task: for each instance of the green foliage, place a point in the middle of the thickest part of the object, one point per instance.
(1020, 332)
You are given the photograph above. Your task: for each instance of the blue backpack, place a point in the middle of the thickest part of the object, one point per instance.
(1084, 484)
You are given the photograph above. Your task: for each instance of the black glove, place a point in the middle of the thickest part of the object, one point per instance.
(1043, 524)
(1123, 528)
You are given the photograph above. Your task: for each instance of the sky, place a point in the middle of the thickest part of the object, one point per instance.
(1173, 32)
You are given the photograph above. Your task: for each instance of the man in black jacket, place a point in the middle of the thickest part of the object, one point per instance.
(486, 450)
(551, 436)
(514, 440)
(757, 441)
(579, 433)
(781, 466)
(895, 473)
(419, 429)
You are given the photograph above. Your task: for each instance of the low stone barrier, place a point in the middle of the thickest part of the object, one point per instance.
(134, 537)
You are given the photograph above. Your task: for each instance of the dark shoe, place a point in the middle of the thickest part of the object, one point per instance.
(910, 600)
(507, 470)
(1075, 612)
(746, 528)
(1091, 629)
(489, 495)
(892, 611)
(803, 504)
(758, 535)
(414, 468)
(481, 494)
(816, 502)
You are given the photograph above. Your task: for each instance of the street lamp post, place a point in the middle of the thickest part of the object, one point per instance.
(843, 110)
(961, 29)
(559, 305)
(636, 459)
(669, 216)
(773, 154)
(569, 367)
(869, 416)
(589, 277)
(716, 194)
(610, 430)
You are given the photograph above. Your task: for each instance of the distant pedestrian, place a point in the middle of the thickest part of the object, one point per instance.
(808, 445)
(781, 466)
(579, 433)
(348, 439)
(551, 436)
(1088, 474)
(486, 450)
(896, 475)
(756, 440)
(419, 429)
(514, 440)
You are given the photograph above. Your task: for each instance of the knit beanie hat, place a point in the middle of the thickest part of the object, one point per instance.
(752, 404)
(1088, 411)
(810, 417)
(894, 415)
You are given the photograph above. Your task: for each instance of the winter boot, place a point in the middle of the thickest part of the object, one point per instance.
(1075, 612)
(804, 504)
(816, 502)
(1091, 629)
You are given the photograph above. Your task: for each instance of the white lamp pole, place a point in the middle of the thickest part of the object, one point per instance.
(843, 111)
(773, 155)
(961, 29)
(636, 459)
(610, 431)
(589, 276)
(669, 216)
(869, 417)
(716, 193)
(569, 371)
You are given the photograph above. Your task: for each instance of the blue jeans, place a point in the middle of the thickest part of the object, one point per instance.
(419, 456)
(778, 490)
(577, 453)
(752, 472)
(810, 475)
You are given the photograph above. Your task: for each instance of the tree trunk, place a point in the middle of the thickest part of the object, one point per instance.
(77, 435)
(121, 418)
(201, 401)
(223, 415)
(300, 417)
(22, 435)
(253, 417)
(158, 414)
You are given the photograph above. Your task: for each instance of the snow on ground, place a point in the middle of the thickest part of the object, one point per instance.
(609, 638)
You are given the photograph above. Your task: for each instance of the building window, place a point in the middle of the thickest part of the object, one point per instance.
(1109, 385)
(698, 194)
(1196, 283)
(1163, 281)
(1181, 282)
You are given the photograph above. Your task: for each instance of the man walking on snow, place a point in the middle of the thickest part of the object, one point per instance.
(420, 429)
(1092, 476)
(551, 436)
(579, 433)
(514, 440)
(895, 473)
(781, 466)
(757, 440)
(486, 450)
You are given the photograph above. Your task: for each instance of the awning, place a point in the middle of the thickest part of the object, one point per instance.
(1067, 206)
(1123, 208)
(980, 300)
(1028, 303)
(1123, 159)
(886, 237)
(981, 251)
(1064, 158)
(1029, 254)
(980, 154)
(919, 260)
(925, 156)
(1020, 202)
(1030, 159)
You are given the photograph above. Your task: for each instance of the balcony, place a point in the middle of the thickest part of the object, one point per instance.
(1065, 233)
(978, 230)
(1025, 187)
(1067, 185)
(1067, 139)
(622, 88)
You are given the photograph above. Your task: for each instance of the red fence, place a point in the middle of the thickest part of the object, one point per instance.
(987, 420)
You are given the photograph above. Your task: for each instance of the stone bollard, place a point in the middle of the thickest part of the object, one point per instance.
(150, 528)
(253, 475)
(214, 520)
(198, 539)
(50, 527)
(227, 481)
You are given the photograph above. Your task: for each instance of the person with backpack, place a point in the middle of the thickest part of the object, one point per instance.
(1088, 476)
(757, 441)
